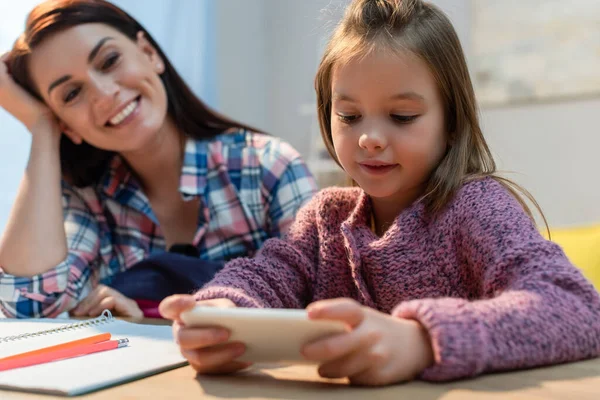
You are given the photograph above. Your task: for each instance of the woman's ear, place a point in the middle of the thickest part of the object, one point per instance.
(150, 52)
(75, 138)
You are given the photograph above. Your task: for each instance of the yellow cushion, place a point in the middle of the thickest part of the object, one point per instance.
(582, 246)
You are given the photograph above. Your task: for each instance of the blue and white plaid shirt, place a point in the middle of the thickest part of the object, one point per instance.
(250, 187)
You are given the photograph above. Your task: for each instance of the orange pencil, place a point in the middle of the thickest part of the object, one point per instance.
(89, 340)
(69, 352)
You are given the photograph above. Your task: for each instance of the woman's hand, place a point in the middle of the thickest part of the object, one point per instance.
(35, 115)
(105, 298)
(379, 350)
(205, 348)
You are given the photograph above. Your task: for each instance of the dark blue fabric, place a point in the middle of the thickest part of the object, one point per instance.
(165, 274)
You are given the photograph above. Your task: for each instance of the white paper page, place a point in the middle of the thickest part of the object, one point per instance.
(151, 349)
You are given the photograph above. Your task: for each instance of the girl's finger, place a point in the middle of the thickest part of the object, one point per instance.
(345, 310)
(221, 303)
(214, 357)
(351, 364)
(195, 338)
(377, 376)
(172, 306)
(338, 346)
(223, 369)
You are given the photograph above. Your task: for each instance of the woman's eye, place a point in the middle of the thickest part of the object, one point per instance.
(71, 95)
(404, 119)
(110, 61)
(348, 119)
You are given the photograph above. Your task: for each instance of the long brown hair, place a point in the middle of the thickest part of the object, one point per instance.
(84, 164)
(424, 30)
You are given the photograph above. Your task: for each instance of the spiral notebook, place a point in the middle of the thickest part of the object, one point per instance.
(151, 350)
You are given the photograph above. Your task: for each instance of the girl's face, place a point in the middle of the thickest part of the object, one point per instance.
(387, 124)
(103, 87)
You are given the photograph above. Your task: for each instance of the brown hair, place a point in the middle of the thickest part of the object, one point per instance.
(84, 164)
(424, 30)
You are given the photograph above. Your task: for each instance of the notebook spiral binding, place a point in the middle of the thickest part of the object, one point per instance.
(104, 318)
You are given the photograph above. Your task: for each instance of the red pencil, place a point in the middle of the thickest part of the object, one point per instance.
(75, 343)
(62, 354)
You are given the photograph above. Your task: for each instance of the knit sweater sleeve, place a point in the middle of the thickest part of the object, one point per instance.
(532, 307)
(281, 273)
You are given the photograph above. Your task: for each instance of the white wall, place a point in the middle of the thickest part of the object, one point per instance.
(268, 53)
(14, 138)
(551, 148)
(242, 66)
(554, 149)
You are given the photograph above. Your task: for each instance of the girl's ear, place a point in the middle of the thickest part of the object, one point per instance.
(151, 53)
(75, 138)
(451, 139)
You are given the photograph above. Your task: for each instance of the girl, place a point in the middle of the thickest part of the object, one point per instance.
(433, 262)
(126, 162)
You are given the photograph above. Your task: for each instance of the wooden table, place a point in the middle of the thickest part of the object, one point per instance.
(576, 381)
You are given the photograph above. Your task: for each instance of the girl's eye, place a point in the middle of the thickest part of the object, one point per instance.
(404, 119)
(348, 119)
(71, 95)
(110, 61)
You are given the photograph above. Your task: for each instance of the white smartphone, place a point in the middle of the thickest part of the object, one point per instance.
(270, 335)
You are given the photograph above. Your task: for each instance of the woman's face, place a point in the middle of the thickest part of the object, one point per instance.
(104, 88)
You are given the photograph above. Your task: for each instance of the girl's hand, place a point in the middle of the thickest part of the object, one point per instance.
(379, 350)
(204, 348)
(34, 114)
(105, 298)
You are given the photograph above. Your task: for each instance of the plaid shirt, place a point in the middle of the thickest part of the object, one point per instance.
(250, 187)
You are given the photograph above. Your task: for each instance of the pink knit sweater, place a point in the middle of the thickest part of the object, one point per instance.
(492, 293)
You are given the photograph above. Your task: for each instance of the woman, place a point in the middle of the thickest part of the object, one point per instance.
(125, 163)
